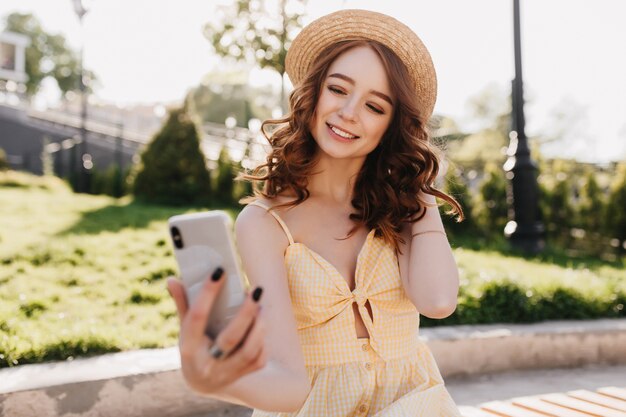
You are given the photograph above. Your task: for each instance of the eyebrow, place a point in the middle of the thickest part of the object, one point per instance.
(351, 81)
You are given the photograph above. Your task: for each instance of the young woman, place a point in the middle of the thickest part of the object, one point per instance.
(343, 243)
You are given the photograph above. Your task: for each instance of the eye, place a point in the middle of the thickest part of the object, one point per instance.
(375, 109)
(336, 90)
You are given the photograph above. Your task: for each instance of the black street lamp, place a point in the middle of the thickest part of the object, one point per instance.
(525, 231)
(81, 9)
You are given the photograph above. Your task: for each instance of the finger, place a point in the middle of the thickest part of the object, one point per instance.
(256, 362)
(177, 291)
(254, 341)
(195, 322)
(229, 374)
(234, 333)
(250, 357)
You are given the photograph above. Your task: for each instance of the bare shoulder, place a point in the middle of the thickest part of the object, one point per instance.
(255, 224)
(256, 220)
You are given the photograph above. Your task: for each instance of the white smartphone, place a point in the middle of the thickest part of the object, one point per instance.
(203, 242)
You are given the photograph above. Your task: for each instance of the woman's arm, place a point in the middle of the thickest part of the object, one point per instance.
(265, 368)
(428, 269)
(283, 384)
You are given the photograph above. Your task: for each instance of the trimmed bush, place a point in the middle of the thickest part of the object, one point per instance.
(173, 168)
(111, 181)
(224, 185)
(508, 302)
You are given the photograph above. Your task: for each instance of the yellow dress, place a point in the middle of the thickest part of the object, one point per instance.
(390, 374)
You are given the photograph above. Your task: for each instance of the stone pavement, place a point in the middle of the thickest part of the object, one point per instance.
(477, 389)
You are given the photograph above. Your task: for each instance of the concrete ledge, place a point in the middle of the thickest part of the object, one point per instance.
(469, 350)
(149, 382)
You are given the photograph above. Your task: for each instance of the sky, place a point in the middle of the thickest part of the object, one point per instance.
(146, 51)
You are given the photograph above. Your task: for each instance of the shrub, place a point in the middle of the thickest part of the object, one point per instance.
(4, 164)
(491, 209)
(560, 211)
(507, 302)
(173, 167)
(225, 179)
(591, 205)
(615, 213)
(112, 181)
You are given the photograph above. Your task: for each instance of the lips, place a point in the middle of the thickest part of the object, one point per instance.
(343, 131)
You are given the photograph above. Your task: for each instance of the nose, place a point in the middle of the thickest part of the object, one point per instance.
(348, 111)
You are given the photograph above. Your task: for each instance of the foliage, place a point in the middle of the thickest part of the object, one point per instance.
(510, 302)
(491, 110)
(591, 205)
(491, 208)
(615, 211)
(215, 102)
(84, 274)
(248, 31)
(173, 167)
(47, 55)
(112, 181)
(4, 163)
(478, 149)
(560, 210)
(224, 185)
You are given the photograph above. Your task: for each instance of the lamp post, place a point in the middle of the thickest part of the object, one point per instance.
(81, 7)
(525, 231)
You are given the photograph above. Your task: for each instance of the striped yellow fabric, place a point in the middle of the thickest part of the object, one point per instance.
(390, 374)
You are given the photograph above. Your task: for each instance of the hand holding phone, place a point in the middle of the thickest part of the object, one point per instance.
(222, 331)
(243, 339)
(202, 243)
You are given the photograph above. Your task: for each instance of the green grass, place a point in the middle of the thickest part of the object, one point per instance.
(82, 275)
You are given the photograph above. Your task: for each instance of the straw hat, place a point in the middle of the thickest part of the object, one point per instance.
(356, 24)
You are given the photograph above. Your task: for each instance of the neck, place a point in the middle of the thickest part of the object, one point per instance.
(333, 180)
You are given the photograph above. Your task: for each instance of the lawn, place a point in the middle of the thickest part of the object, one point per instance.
(82, 274)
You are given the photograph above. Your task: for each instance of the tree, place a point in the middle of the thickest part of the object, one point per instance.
(4, 164)
(560, 213)
(591, 205)
(491, 209)
(615, 213)
(249, 31)
(173, 167)
(215, 100)
(48, 55)
(225, 179)
(491, 110)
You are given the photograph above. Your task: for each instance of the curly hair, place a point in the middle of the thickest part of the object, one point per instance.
(387, 187)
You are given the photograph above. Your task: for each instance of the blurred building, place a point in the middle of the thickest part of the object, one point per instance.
(12, 65)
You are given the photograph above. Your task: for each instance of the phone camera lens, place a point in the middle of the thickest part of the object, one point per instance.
(177, 238)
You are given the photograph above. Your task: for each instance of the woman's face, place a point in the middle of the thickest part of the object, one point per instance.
(355, 105)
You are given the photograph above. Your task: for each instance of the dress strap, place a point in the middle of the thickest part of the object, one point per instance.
(276, 216)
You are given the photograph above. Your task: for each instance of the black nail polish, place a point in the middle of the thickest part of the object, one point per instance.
(256, 295)
(217, 274)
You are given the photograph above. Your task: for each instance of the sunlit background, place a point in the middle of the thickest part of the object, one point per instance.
(153, 52)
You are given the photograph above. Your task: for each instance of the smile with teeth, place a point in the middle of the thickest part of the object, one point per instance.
(341, 132)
